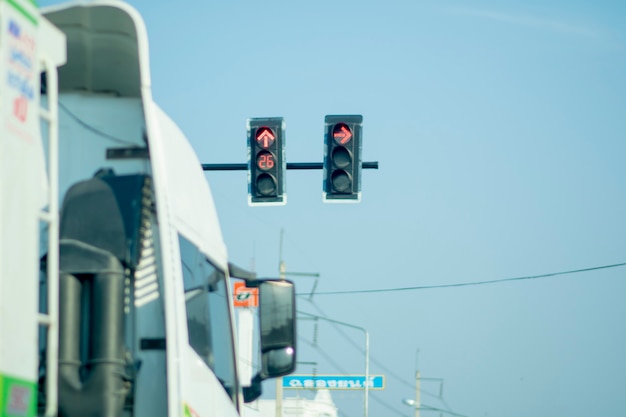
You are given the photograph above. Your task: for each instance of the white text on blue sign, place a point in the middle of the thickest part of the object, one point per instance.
(357, 382)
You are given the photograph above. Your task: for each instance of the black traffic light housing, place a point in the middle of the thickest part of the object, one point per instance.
(266, 161)
(342, 158)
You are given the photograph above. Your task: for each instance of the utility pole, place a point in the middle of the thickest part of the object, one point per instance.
(417, 393)
(416, 402)
(282, 274)
(417, 384)
(279, 381)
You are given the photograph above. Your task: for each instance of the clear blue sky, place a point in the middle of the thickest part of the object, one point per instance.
(500, 129)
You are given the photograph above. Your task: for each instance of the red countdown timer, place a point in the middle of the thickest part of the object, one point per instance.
(265, 137)
(265, 160)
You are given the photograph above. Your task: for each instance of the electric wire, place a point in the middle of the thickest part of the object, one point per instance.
(326, 356)
(380, 365)
(334, 363)
(93, 129)
(372, 359)
(337, 366)
(374, 398)
(468, 284)
(387, 406)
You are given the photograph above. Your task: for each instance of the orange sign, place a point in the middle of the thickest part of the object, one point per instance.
(244, 296)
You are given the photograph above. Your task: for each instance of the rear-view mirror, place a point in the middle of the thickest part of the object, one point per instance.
(277, 310)
(277, 313)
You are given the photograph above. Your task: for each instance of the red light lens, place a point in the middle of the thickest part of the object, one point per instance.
(342, 133)
(265, 137)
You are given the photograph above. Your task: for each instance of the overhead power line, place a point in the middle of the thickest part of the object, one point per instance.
(95, 130)
(468, 284)
(360, 349)
(330, 358)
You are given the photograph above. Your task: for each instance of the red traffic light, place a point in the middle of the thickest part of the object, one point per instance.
(342, 158)
(342, 133)
(265, 137)
(266, 163)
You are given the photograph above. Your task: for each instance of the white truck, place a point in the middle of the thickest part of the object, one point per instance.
(115, 285)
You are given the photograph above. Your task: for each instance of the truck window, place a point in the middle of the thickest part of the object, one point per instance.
(208, 317)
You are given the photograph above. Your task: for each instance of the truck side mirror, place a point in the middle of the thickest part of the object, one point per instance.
(277, 311)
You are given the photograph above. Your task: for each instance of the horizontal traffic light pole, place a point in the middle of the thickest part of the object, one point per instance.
(290, 165)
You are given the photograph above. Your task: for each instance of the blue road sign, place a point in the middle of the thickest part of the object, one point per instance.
(333, 382)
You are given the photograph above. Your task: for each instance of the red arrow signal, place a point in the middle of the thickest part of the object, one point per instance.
(342, 134)
(265, 137)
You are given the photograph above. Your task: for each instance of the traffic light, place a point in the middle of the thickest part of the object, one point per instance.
(266, 161)
(342, 158)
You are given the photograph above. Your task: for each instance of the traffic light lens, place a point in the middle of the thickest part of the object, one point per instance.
(265, 137)
(341, 180)
(266, 184)
(341, 157)
(265, 161)
(342, 133)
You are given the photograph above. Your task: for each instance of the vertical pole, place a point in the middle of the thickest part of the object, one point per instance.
(367, 370)
(279, 381)
(279, 397)
(417, 393)
(52, 357)
(417, 384)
